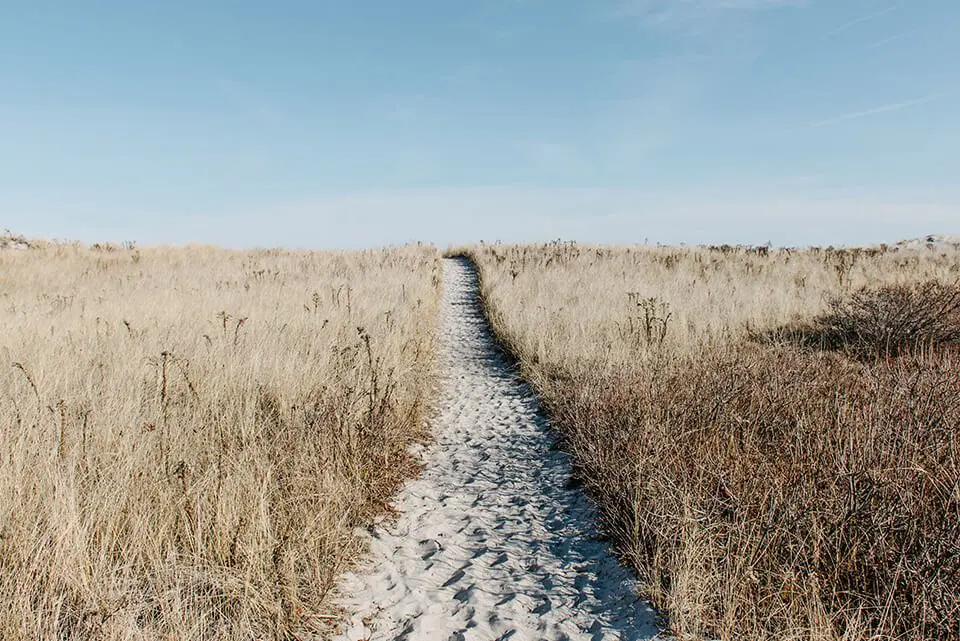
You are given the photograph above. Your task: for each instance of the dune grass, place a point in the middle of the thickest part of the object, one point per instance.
(188, 437)
(771, 435)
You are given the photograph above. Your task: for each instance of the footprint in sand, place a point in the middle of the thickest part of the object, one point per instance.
(515, 542)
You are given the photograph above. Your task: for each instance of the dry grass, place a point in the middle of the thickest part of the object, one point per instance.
(10, 241)
(764, 489)
(887, 321)
(188, 437)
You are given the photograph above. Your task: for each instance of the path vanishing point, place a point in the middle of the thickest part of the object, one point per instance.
(493, 542)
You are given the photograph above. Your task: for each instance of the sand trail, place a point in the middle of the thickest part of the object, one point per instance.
(492, 542)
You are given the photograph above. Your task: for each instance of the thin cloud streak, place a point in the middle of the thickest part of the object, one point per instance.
(896, 106)
(690, 7)
(864, 18)
(684, 15)
(893, 38)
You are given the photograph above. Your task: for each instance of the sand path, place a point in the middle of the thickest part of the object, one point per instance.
(492, 543)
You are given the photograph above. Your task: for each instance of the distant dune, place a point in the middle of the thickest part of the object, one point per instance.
(931, 241)
(9, 241)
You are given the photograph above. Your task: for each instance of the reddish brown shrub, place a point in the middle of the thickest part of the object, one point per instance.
(775, 493)
(885, 321)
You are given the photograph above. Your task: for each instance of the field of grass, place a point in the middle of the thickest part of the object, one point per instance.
(771, 435)
(188, 437)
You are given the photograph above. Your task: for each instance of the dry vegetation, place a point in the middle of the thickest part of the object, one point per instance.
(771, 435)
(189, 436)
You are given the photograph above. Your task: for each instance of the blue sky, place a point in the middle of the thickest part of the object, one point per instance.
(357, 123)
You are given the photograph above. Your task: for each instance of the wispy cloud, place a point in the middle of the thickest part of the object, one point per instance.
(860, 20)
(894, 106)
(681, 14)
(663, 93)
(893, 38)
(727, 29)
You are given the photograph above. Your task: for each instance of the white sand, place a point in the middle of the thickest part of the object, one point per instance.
(491, 542)
(13, 243)
(931, 241)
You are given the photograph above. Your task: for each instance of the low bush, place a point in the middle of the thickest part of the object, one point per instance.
(894, 319)
(779, 493)
(882, 321)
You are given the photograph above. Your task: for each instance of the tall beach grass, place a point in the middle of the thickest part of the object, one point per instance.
(770, 435)
(189, 436)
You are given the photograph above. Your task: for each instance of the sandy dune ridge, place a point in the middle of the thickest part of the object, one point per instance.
(492, 541)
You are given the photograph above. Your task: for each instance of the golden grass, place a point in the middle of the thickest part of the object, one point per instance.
(596, 304)
(770, 437)
(188, 437)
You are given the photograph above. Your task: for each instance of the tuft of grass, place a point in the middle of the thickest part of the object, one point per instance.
(762, 490)
(189, 437)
